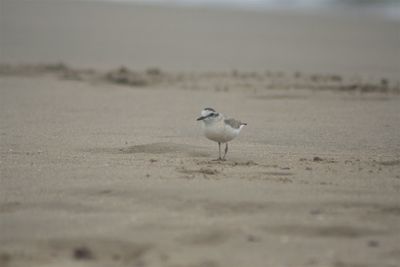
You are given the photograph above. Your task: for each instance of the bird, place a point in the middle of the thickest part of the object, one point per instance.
(220, 129)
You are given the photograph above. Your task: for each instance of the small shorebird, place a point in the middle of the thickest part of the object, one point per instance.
(219, 129)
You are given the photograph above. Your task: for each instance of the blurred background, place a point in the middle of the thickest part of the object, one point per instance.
(389, 8)
(345, 37)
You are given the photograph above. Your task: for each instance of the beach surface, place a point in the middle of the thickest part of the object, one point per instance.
(103, 165)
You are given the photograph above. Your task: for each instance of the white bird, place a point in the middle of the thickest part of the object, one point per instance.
(219, 129)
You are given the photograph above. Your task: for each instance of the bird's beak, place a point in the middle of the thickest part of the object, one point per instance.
(201, 118)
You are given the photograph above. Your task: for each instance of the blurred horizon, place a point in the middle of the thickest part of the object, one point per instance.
(143, 34)
(384, 8)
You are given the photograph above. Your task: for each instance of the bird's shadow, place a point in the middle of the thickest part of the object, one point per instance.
(227, 162)
(154, 148)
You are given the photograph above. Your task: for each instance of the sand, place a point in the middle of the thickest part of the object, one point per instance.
(108, 167)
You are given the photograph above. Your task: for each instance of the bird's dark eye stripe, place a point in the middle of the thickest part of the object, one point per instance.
(213, 114)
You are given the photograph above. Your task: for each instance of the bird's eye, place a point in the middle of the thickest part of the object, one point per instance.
(212, 115)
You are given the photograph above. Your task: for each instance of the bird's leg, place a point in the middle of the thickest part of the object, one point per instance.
(226, 150)
(219, 150)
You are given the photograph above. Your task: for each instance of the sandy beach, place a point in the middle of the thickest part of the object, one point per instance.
(103, 165)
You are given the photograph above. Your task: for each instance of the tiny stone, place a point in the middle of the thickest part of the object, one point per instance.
(373, 243)
(5, 257)
(252, 238)
(315, 212)
(82, 253)
(317, 159)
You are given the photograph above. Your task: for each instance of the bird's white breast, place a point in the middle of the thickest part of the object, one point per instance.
(218, 131)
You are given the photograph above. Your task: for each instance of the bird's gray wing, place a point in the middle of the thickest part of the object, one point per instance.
(235, 124)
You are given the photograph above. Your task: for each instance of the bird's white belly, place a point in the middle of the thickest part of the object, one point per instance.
(220, 132)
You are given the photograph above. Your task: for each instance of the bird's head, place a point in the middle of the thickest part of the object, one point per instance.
(208, 114)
